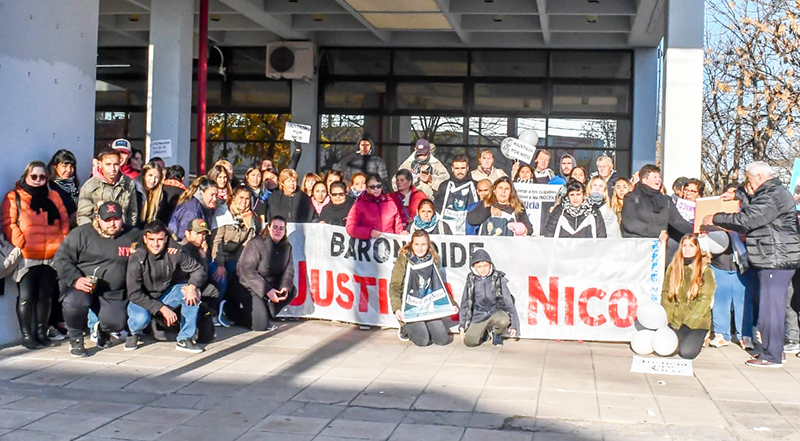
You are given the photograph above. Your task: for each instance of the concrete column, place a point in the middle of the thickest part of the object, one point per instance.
(48, 54)
(683, 90)
(169, 79)
(645, 107)
(304, 111)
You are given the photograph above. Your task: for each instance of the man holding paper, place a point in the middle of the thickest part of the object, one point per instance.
(773, 247)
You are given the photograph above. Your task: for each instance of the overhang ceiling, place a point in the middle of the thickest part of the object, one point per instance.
(581, 24)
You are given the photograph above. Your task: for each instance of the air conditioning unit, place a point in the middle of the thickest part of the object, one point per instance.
(291, 60)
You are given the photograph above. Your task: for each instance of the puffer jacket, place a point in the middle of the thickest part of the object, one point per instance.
(33, 236)
(414, 198)
(187, 212)
(770, 222)
(369, 214)
(97, 189)
(355, 162)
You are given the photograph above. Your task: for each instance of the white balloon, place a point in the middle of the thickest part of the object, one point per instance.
(642, 342)
(529, 137)
(652, 315)
(665, 341)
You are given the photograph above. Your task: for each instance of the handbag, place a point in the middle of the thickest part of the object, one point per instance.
(9, 254)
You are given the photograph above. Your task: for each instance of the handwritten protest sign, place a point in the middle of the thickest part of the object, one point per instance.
(513, 148)
(297, 132)
(161, 148)
(686, 209)
(538, 200)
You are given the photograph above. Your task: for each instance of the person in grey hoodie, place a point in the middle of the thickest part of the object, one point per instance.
(487, 304)
(566, 165)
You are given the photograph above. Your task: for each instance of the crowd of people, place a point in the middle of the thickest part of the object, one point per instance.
(137, 249)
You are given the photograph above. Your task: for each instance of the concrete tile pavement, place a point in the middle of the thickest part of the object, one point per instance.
(322, 381)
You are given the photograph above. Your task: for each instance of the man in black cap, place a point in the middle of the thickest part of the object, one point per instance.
(195, 244)
(91, 265)
(428, 172)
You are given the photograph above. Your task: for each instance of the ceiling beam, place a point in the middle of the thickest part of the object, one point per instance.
(453, 19)
(256, 13)
(580, 23)
(647, 27)
(604, 7)
(510, 23)
(507, 7)
(303, 7)
(336, 22)
(144, 4)
(382, 35)
(544, 20)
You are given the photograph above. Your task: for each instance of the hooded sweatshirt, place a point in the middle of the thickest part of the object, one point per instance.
(356, 162)
(483, 296)
(561, 179)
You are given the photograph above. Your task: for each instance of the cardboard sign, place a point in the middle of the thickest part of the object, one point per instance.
(161, 148)
(712, 205)
(662, 366)
(297, 132)
(686, 209)
(513, 148)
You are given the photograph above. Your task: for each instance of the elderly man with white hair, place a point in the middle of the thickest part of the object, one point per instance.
(769, 221)
(606, 172)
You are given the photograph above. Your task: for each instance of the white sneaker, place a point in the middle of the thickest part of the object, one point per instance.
(719, 341)
(747, 343)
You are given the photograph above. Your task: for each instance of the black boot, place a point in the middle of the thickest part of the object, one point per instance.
(25, 317)
(43, 307)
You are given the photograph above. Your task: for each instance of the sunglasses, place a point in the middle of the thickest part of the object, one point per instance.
(38, 177)
(337, 194)
(375, 186)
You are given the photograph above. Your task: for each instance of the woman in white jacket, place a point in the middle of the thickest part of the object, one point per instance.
(598, 193)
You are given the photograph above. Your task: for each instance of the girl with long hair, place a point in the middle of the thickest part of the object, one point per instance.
(417, 273)
(501, 213)
(598, 194)
(358, 183)
(309, 179)
(150, 195)
(222, 178)
(621, 187)
(428, 220)
(35, 221)
(319, 197)
(687, 295)
(199, 201)
(64, 180)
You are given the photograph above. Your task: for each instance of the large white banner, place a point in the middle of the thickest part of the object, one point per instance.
(573, 289)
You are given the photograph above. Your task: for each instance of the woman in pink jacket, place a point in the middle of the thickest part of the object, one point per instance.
(374, 213)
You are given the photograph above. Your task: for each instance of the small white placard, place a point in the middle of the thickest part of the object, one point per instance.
(297, 132)
(161, 148)
(662, 366)
(513, 148)
(686, 209)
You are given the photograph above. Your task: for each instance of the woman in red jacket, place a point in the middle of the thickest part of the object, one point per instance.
(35, 221)
(407, 197)
(374, 213)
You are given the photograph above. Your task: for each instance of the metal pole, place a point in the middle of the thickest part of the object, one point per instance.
(202, 73)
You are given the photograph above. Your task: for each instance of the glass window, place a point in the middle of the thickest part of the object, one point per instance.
(595, 99)
(438, 129)
(487, 130)
(358, 62)
(539, 125)
(430, 62)
(264, 94)
(338, 136)
(355, 95)
(584, 133)
(500, 63)
(250, 60)
(213, 93)
(127, 61)
(594, 64)
(430, 96)
(509, 97)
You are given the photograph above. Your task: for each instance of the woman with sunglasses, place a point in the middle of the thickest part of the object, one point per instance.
(336, 211)
(35, 221)
(374, 213)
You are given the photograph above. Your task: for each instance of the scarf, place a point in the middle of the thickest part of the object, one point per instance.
(222, 193)
(40, 201)
(174, 183)
(355, 193)
(657, 201)
(584, 209)
(429, 226)
(318, 206)
(417, 164)
(68, 185)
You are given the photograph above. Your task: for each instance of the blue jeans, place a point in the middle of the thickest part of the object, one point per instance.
(730, 293)
(230, 269)
(139, 318)
(93, 318)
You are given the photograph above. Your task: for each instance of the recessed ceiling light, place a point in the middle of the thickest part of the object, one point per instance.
(488, 1)
(133, 17)
(498, 18)
(591, 18)
(294, 1)
(593, 1)
(318, 17)
(215, 17)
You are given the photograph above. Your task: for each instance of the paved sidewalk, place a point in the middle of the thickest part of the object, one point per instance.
(323, 381)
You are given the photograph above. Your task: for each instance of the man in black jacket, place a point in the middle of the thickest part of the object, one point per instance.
(153, 271)
(363, 160)
(769, 221)
(266, 270)
(456, 195)
(649, 213)
(91, 266)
